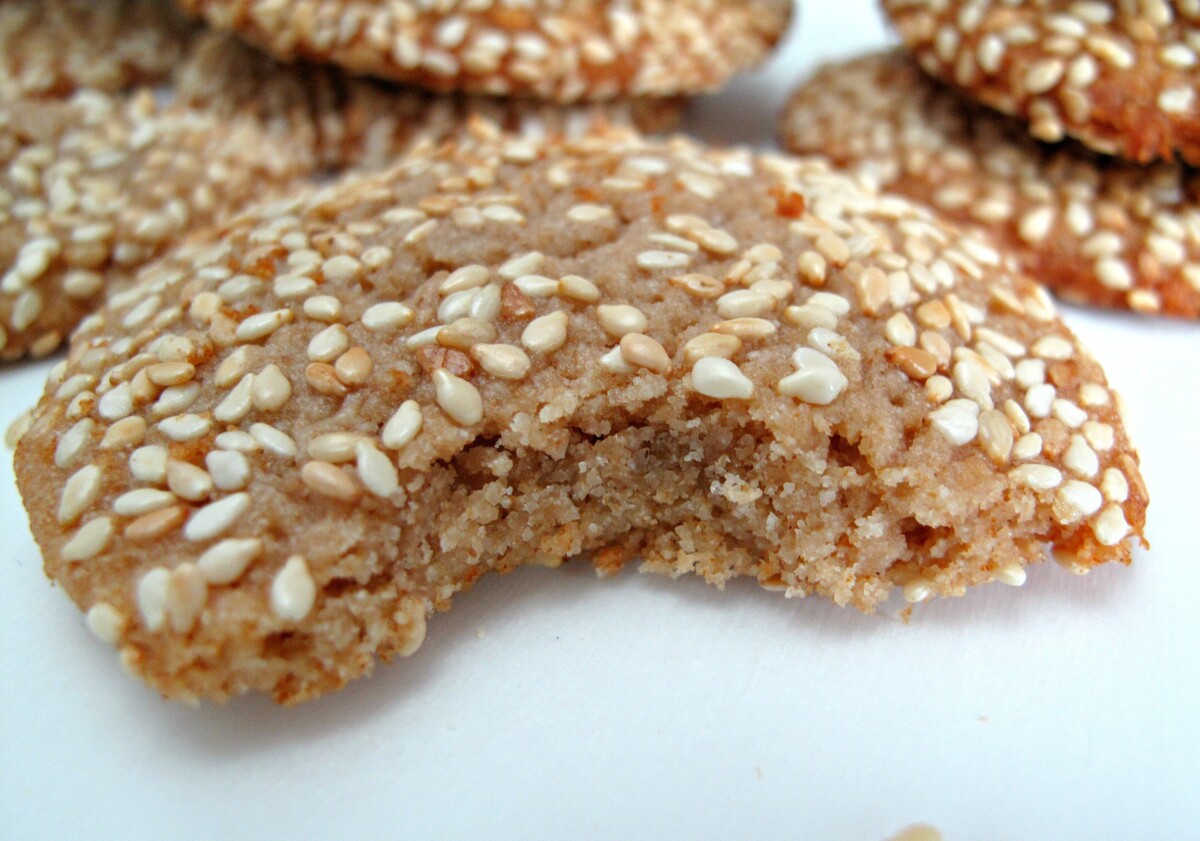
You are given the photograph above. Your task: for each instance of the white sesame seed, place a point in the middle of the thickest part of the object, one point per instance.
(323, 308)
(1053, 347)
(329, 344)
(403, 426)
(376, 470)
(341, 269)
(918, 590)
(216, 517)
(186, 594)
(230, 471)
(188, 481)
(537, 286)
(958, 420)
(184, 428)
(152, 598)
(1040, 477)
(1039, 400)
(507, 362)
(236, 441)
(74, 442)
(614, 362)
(387, 316)
(293, 591)
(459, 399)
(329, 480)
(467, 277)
(1110, 527)
(117, 403)
(261, 325)
(644, 352)
(520, 265)
(1081, 459)
(79, 492)
(89, 541)
(1077, 501)
(546, 333)
(817, 379)
(270, 390)
(226, 561)
(714, 376)
(273, 440)
(141, 501)
(1011, 573)
(1069, 413)
(662, 260)
(106, 622)
(149, 464)
(237, 403)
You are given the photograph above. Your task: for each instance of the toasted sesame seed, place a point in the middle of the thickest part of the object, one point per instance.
(507, 362)
(329, 480)
(644, 352)
(186, 594)
(171, 373)
(293, 592)
(714, 376)
(746, 328)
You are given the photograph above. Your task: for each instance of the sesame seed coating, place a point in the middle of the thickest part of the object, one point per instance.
(52, 48)
(804, 456)
(1094, 229)
(561, 50)
(1119, 75)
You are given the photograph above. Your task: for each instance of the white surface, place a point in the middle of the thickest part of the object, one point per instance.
(551, 705)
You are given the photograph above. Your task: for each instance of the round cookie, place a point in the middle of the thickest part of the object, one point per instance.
(1120, 75)
(1094, 229)
(563, 50)
(266, 466)
(51, 48)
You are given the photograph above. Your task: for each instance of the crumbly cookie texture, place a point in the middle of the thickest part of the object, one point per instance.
(1119, 75)
(266, 466)
(52, 48)
(564, 50)
(1095, 229)
(353, 121)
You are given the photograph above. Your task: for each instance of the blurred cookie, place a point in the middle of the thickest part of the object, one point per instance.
(93, 188)
(267, 465)
(51, 48)
(1095, 229)
(354, 121)
(1121, 76)
(562, 50)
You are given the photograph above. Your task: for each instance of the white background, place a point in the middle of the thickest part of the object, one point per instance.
(551, 705)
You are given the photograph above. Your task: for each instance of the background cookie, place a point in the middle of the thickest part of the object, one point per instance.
(55, 47)
(269, 463)
(1120, 76)
(566, 50)
(1095, 229)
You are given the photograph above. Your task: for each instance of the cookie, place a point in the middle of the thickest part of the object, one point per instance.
(563, 50)
(52, 48)
(242, 126)
(358, 122)
(270, 463)
(93, 188)
(1095, 229)
(1119, 76)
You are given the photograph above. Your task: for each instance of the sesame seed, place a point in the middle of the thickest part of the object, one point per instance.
(817, 379)
(376, 470)
(293, 592)
(459, 399)
(1076, 501)
(653, 260)
(1081, 459)
(186, 594)
(270, 390)
(141, 501)
(579, 289)
(236, 405)
(152, 598)
(73, 442)
(403, 426)
(1040, 477)
(546, 333)
(714, 376)
(619, 319)
(90, 540)
(746, 328)
(226, 561)
(524, 264)
(262, 325)
(217, 517)
(116, 403)
(958, 420)
(323, 308)
(188, 481)
(537, 286)
(387, 316)
(504, 361)
(184, 428)
(644, 352)
(918, 590)
(79, 492)
(106, 622)
(467, 277)
(329, 344)
(1110, 527)
(329, 480)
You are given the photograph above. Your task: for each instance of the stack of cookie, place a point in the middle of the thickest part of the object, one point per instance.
(103, 178)
(1066, 132)
(304, 427)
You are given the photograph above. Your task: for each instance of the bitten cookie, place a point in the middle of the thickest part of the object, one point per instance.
(1121, 75)
(1094, 229)
(269, 464)
(51, 48)
(564, 50)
